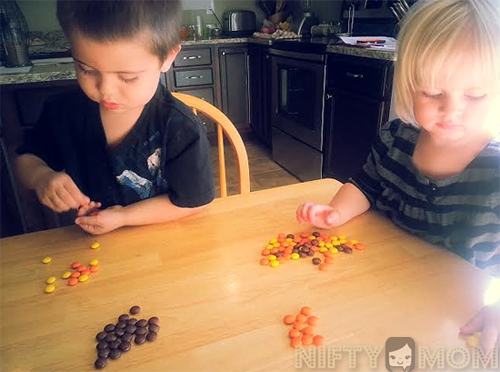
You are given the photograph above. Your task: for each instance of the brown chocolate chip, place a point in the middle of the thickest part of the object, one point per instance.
(151, 336)
(109, 328)
(295, 250)
(135, 310)
(130, 329)
(102, 345)
(340, 248)
(123, 318)
(120, 325)
(140, 339)
(316, 261)
(347, 250)
(103, 353)
(278, 254)
(314, 242)
(310, 253)
(153, 320)
(115, 354)
(125, 346)
(131, 321)
(141, 331)
(290, 236)
(316, 234)
(141, 323)
(101, 336)
(302, 254)
(119, 332)
(114, 344)
(110, 337)
(127, 337)
(307, 245)
(305, 249)
(100, 363)
(154, 327)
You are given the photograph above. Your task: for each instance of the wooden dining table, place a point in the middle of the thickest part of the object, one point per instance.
(219, 309)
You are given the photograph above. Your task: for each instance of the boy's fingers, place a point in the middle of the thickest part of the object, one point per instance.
(86, 220)
(474, 325)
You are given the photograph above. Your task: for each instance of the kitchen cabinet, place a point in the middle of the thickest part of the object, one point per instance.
(260, 92)
(235, 89)
(358, 103)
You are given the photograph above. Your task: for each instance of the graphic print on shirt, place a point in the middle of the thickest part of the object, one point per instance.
(142, 186)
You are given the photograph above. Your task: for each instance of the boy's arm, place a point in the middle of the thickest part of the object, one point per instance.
(158, 209)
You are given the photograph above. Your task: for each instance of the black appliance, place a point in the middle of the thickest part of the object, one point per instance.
(297, 115)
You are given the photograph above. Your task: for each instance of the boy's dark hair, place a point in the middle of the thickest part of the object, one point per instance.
(110, 20)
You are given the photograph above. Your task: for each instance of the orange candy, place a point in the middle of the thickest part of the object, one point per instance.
(323, 267)
(289, 319)
(295, 341)
(328, 254)
(294, 333)
(307, 339)
(76, 265)
(308, 331)
(348, 244)
(72, 281)
(81, 268)
(328, 260)
(318, 340)
(94, 268)
(266, 252)
(282, 235)
(263, 261)
(306, 310)
(274, 250)
(281, 259)
(359, 246)
(296, 239)
(301, 318)
(313, 320)
(85, 272)
(76, 274)
(304, 235)
(298, 325)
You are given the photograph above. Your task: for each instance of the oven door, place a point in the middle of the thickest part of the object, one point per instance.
(298, 89)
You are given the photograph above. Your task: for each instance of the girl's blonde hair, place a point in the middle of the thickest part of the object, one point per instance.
(436, 32)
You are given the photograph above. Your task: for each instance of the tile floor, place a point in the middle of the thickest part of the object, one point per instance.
(264, 172)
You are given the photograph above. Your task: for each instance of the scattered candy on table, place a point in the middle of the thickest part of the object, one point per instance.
(50, 288)
(95, 245)
(303, 328)
(50, 280)
(47, 260)
(295, 246)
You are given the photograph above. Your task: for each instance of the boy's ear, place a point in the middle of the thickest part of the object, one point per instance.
(170, 59)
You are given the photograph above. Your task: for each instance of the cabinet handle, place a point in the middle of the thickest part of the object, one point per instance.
(191, 57)
(328, 96)
(355, 76)
(194, 77)
(223, 53)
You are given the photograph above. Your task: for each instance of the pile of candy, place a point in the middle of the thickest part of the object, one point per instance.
(292, 247)
(303, 325)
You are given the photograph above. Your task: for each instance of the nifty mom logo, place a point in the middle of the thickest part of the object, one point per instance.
(401, 355)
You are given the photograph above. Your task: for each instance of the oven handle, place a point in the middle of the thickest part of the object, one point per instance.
(354, 76)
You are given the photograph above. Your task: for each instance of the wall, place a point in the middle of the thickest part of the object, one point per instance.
(41, 14)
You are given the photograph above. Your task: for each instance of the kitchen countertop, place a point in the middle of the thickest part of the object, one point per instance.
(65, 70)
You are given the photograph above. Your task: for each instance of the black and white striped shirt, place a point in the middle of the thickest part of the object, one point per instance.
(460, 213)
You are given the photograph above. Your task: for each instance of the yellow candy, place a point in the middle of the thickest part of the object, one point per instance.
(50, 288)
(273, 240)
(354, 241)
(312, 237)
(323, 249)
(66, 275)
(334, 250)
(95, 245)
(271, 257)
(342, 237)
(94, 262)
(336, 243)
(343, 241)
(83, 278)
(274, 263)
(295, 256)
(334, 237)
(50, 280)
(329, 245)
(47, 260)
(472, 341)
(270, 246)
(276, 245)
(289, 240)
(321, 244)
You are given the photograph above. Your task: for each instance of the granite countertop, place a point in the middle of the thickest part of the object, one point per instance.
(64, 70)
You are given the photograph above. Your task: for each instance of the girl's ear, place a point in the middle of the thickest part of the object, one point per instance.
(170, 59)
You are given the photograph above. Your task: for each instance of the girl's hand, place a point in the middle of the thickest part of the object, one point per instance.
(58, 191)
(88, 209)
(102, 221)
(487, 321)
(319, 215)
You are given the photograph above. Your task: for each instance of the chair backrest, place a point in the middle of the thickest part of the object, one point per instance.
(224, 126)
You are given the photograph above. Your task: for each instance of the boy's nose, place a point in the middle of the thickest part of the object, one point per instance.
(105, 86)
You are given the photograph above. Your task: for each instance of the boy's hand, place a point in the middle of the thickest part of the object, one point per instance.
(57, 191)
(319, 215)
(487, 321)
(102, 221)
(88, 209)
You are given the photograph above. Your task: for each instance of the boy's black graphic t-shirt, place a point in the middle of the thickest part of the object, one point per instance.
(166, 152)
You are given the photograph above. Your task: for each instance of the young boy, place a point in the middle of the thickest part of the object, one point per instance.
(121, 150)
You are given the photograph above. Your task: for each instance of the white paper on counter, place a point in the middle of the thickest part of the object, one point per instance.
(390, 42)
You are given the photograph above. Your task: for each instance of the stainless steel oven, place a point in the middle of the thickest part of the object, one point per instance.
(298, 91)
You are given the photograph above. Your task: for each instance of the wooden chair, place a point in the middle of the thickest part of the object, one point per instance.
(224, 126)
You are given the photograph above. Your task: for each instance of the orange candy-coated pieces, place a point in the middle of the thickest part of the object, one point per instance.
(264, 261)
(307, 340)
(294, 333)
(76, 265)
(318, 340)
(308, 330)
(289, 319)
(72, 281)
(76, 274)
(301, 318)
(303, 333)
(295, 341)
(313, 320)
(306, 310)
(328, 260)
(323, 267)
(298, 325)
(94, 268)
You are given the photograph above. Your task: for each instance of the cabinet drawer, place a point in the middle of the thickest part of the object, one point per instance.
(368, 78)
(193, 57)
(206, 94)
(193, 77)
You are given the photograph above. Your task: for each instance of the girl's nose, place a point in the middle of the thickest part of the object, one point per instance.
(452, 106)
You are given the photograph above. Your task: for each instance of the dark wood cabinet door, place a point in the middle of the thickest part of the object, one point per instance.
(234, 85)
(353, 123)
(260, 93)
